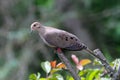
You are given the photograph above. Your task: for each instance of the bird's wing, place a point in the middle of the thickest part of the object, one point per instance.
(62, 39)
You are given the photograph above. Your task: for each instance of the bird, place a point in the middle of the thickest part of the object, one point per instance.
(61, 39)
(58, 38)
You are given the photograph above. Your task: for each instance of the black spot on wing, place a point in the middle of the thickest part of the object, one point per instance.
(71, 37)
(66, 38)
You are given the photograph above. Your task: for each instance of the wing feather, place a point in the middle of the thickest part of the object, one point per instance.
(63, 39)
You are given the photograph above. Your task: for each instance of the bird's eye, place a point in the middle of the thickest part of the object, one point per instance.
(34, 25)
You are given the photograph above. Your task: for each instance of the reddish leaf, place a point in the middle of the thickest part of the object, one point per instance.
(61, 65)
(84, 62)
(75, 59)
(53, 64)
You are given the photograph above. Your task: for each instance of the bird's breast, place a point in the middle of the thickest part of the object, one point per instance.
(46, 42)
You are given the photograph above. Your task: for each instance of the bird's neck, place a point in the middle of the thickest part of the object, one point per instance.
(42, 31)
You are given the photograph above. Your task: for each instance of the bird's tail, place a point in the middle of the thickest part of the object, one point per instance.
(93, 54)
(101, 57)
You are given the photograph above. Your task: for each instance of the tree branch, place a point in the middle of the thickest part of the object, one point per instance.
(67, 63)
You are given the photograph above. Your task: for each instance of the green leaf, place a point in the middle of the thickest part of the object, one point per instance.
(83, 72)
(96, 62)
(69, 78)
(82, 78)
(38, 76)
(33, 77)
(42, 79)
(91, 75)
(46, 66)
(56, 77)
(54, 70)
(59, 77)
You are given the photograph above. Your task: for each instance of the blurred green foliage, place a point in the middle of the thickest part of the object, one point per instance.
(97, 73)
(95, 22)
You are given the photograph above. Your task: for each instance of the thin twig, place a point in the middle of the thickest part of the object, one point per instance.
(68, 65)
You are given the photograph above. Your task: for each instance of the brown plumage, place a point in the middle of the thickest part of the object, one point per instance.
(58, 38)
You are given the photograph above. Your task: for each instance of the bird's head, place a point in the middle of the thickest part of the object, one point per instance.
(35, 26)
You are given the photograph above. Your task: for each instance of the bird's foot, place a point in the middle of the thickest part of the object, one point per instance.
(59, 50)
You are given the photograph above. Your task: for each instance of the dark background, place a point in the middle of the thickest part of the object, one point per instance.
(95, 22)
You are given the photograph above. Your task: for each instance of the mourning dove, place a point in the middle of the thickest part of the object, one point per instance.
(61, 39)
(57, 38)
